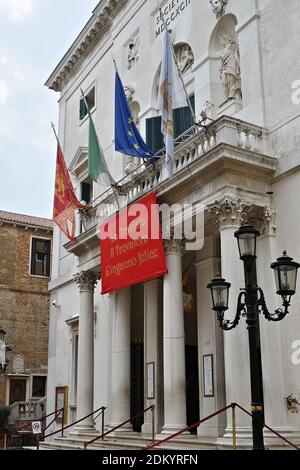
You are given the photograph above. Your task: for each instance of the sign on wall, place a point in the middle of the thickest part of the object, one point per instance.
(171, 10)
(131, 245)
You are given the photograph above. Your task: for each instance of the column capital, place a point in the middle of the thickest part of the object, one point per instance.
(229, 212)
(264, 219)
(86, 280)
(173, 247)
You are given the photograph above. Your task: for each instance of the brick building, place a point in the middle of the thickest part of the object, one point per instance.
(25, 251)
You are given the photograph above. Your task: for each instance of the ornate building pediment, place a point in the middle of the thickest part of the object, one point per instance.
(79, 162)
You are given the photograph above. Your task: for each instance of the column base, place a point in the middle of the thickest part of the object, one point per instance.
(147, 429)
(291, 434)
(245, 439)
(212, 430)
(84, 429)
(169, 429)
(126, 429)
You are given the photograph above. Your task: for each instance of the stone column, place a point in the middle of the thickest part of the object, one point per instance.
(229, 216)
(153, 351)
(120, 367)
(210, 340)
(85, 389)
(277, 380)
(173, 342)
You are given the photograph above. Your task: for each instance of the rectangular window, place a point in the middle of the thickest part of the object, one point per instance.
(39, 386)
(182, 119)
(40, 257)
(86, 192)
(90, 99)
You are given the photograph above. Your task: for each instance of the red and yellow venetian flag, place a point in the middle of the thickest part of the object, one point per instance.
(65, 200)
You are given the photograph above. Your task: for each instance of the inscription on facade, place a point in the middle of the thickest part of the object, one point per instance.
(171, 10)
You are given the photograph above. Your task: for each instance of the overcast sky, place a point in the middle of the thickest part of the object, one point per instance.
(34, 36)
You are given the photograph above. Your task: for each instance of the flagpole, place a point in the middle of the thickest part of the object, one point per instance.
(54, 130)
(178, 69)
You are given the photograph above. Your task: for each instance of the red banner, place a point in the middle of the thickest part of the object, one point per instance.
(132, 250)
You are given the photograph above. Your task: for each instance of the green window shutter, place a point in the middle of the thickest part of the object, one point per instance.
(82, 109)
(154, 138)
(183, 118)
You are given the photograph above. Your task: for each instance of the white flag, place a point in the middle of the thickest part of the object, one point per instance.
(171, 95)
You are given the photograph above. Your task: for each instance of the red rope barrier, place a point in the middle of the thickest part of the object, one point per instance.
(270, 429)
(188, 428)
(117, 427)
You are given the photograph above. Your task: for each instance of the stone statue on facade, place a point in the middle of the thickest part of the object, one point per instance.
(230, 72)
(132, 52)
(129, 92)
(218, 7)
(185, 57)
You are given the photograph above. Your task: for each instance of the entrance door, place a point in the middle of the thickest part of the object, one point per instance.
(192, 386)
(17, 390)
(137, 384)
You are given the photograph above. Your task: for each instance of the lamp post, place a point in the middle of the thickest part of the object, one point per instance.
(251, 302)
(4, 352)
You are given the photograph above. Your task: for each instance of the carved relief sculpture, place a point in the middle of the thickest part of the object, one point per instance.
(230, 72)
(218, 7)
(185, 57)
(132, 52)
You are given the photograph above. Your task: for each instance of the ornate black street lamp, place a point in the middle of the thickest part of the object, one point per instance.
(4, 352)
(251, 302)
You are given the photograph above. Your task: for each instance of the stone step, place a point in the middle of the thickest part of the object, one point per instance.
(132, 441)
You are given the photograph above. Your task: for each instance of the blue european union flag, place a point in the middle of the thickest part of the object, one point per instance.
(128, 140)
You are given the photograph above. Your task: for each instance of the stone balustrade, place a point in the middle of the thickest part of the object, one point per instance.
(189, 148)
(32, 410)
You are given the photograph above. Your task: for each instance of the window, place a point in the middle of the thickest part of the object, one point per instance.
(182, 118)
(40, 257)
(90, 99)
(39, 386)
(86, 191)
(86, 194)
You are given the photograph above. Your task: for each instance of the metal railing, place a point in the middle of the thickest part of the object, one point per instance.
(189, 428)
(130, 420)
(22, 430)
(233, 407)
(100, 411)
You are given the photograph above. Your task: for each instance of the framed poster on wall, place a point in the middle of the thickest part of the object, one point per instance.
(150, 381)
(208, 375)
(61, 401)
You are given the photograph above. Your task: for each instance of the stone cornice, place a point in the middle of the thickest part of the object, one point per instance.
(73, 322)
(98, 24)
(27, 227)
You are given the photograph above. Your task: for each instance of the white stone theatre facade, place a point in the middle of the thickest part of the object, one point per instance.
(159, 342)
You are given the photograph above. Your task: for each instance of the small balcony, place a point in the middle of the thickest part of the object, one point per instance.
(227, 146)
